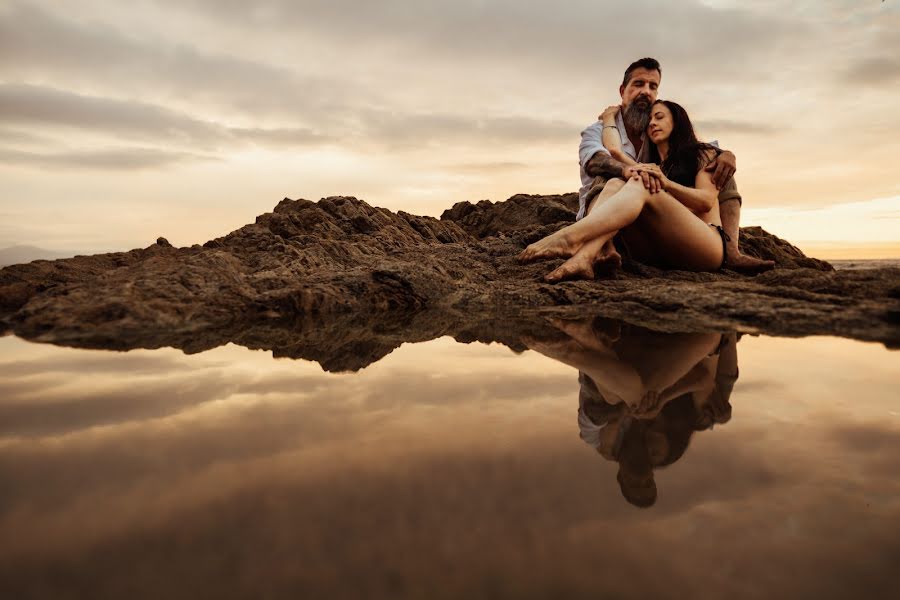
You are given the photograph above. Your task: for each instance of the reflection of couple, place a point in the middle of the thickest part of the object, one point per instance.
(665, 197)
(644, 394)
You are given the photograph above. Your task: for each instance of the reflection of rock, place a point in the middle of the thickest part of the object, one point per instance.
(340, 261)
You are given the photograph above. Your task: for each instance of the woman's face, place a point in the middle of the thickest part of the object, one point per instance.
(661, 123)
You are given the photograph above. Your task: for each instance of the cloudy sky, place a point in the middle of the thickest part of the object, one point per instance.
(126, 121)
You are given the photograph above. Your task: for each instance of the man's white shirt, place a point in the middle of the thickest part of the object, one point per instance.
(591, 144)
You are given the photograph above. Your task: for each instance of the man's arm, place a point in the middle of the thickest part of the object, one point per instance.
(597, 162)
(722, 167)
(604, 165)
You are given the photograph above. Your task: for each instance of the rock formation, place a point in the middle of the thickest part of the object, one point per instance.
(312, 275)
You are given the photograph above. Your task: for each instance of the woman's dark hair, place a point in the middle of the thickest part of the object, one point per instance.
(687, 154)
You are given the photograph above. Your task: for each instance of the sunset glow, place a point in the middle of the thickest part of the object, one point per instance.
(128, 121)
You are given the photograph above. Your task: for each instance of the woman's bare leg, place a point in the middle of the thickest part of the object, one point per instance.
(581, 264)
(557, 244)
(598, 250)
(605, 253)
(680, 238)
(666, 230)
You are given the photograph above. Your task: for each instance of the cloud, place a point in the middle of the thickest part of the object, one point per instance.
(286, 136)
(726, 126)
(563, 35)
(487, 168)
(875, 71)
(365, 92)
(24, 104)
(30, 105)
(109, 159)
(334, 58)
(22, 137)
(416, 129)
(103, 58)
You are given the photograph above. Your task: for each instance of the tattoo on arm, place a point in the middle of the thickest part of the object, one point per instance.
(602, 164)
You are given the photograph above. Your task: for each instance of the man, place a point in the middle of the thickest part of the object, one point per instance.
(638, 92)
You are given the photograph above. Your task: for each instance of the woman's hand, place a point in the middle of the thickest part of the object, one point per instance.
(654, 171)
(608, 116)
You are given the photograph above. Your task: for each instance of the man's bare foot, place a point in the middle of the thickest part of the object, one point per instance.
(747, 264)
(577, 267)
(609, 262)
(556, 245)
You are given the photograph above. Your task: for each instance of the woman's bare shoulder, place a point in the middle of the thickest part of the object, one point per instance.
(707, 155)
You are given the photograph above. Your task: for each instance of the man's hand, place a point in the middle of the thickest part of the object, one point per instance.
(722, 168)
(646, 174)
(656, 172)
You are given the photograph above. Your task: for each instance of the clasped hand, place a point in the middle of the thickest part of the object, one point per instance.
(650, 175)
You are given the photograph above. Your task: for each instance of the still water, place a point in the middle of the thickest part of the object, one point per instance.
(605, 462)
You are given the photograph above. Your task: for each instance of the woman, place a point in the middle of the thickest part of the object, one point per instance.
(678, 226)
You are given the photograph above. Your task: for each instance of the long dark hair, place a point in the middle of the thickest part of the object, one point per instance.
(687, 154)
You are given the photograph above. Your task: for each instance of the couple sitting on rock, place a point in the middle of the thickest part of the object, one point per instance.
(651, 190)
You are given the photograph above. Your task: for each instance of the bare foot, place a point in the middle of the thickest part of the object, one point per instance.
(556, 245)
(577, 267)
(609, 262)
(747, 264)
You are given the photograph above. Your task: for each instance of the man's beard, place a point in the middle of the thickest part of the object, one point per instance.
(637, 115)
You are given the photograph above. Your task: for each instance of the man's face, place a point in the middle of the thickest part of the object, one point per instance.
(641, 88)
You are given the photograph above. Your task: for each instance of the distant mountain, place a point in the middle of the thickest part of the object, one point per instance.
(14, 255)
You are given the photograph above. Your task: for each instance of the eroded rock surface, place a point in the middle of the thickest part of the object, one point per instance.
(311, 277)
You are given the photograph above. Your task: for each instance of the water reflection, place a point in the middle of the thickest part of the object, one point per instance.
(644, 394)
(452, 470)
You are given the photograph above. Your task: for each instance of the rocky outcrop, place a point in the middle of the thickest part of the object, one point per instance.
(318, 274)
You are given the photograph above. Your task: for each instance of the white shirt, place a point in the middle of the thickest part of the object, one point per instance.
(591, 144)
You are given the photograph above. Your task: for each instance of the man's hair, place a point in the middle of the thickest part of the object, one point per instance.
(651, 64)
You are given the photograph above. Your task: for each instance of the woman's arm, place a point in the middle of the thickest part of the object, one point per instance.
(611, 138)
(699, 199)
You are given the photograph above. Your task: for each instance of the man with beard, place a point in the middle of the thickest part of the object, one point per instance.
(639, 91)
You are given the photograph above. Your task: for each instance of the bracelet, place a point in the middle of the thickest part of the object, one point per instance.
(613, 126)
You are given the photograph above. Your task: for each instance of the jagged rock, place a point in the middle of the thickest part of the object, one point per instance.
(341, 264)
(520, 213)
(528, 217)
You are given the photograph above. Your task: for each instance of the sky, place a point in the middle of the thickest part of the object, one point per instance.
(122, 122)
